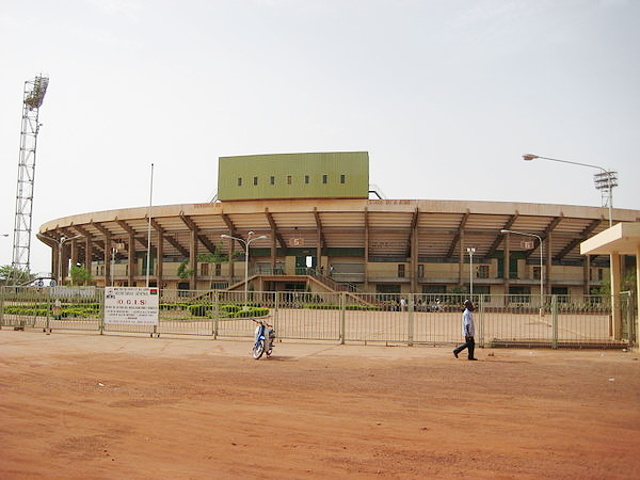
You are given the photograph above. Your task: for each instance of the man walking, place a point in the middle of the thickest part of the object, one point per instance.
(468, 330)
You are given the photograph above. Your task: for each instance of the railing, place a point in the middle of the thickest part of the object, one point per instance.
(342, 317)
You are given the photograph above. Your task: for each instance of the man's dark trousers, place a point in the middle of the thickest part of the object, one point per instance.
(470, 344)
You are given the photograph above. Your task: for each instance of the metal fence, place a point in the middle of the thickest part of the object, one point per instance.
(342, 317)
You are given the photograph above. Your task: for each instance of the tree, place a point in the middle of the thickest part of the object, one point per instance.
(79, 275)
(184, 272)
(627, 283)
(212, 258)
(10, 275)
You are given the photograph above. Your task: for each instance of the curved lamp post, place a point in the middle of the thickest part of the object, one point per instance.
(250, 239)
(605, 180)
(541, 263)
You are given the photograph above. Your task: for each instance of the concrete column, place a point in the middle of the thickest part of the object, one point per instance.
(55, 268)
(547, 264)
(586, 275)
(193, 260)
(64, 258)
(106, 258)
(319, 250)
(132, 261)
(159, 261)
(88, 255)
(414, 260)
(506, 254)
(616, 320)
(366, 251)
(274, 251)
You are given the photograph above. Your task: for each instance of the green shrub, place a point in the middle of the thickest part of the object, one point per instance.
(251, 312)
(200, 310)
(228, 309)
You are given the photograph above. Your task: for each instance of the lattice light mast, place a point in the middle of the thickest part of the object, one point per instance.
(34, 92)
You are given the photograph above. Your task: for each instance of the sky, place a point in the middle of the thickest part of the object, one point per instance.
(445, 95)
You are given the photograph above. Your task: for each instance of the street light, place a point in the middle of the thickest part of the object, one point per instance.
(604, 181)
(471, 251)
(250, 239)
(541, 263)
(60, 242)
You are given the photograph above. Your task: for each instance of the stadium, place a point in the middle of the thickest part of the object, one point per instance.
(312, 222)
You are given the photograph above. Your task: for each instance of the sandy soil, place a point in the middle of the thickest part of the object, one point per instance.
(75, 406)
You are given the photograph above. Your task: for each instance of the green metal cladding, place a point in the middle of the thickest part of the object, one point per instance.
(294, 175)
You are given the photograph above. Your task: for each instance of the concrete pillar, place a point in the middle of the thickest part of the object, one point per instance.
(274, 251)
(160, 260)
(366, 250)
(547, 264)
(586, 275)
(616, 320)
(88, 255)
(131, 274)
(414, 260)
(106, 258)
(506, 257)
(193, 260)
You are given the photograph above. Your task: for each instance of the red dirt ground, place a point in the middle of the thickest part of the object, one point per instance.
(75, 406)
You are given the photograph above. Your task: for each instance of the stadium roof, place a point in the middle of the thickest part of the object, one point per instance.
(443, 228)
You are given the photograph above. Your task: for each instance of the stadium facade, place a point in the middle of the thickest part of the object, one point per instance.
(310, 224)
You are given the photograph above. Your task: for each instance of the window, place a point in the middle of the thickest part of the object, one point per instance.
(401, 270)
(537, 273)
(218, 270)
(420, 271)
(204, 269)
(272, 180)
(343, 178)
(306, 179)
(483, 271)
(289, 179)
(255, 181)
(239, 181)
(325, 178)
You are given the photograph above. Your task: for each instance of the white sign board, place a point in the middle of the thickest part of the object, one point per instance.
(527, 244)
(131, 306)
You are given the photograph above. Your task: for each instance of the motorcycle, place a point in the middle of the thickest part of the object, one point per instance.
(265, 337)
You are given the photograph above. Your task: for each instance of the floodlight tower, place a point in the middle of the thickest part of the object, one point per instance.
(34, 92)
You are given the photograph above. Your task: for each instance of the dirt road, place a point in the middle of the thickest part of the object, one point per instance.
(76, 406)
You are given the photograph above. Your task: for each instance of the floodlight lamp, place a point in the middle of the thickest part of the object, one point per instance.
(605, 180)
(36, 96)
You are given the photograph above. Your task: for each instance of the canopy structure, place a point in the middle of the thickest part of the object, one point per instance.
(621, 239)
